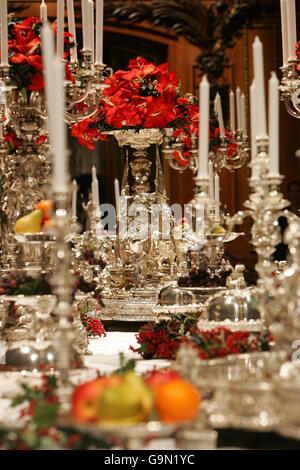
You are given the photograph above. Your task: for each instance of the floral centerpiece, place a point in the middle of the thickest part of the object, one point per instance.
(25, 55)
(144, 96)
(161, 340)
(220, 342)
(26, 65)
(148, 96)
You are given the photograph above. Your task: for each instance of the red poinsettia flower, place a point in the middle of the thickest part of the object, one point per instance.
(25, 48)
(124, 115)
(37, 82)
(85, 134)
(159, 114)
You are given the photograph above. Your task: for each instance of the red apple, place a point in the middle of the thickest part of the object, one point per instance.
(86, 396)
(159, 377)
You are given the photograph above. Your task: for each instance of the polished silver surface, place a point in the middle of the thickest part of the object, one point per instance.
(131, 436)
(174, 295)
(32, 355)
(233, 305)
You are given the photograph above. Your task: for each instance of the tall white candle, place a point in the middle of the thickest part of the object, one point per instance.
(211, 180)
(53, 67)
(59, 182)
(94, 173)
(232, 111)
(85, 25)
(238, 109)
(48, 58)
(60, 28)
(284, 31)
(99, 32)
(243, 115)
(117, 196)
(253, 113)
(220, 115)
(215, 107)
(274, 125)
(203, 128)
(91, 27)
(72, 30)
(74, 198)
(217, 196)
(95, 188)
(43, 11)
(258, 63)
(4, 37)
(292, 29)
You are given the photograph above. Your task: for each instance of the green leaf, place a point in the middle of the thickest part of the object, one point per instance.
(125, 366)
(36, 287)
(45, 414)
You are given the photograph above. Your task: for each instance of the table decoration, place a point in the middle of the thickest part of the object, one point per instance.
(153, 102)
(45, 422)
(128, 399)
(39, 428)
(161, 339)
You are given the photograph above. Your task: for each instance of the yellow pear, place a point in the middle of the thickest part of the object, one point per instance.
(30, 223)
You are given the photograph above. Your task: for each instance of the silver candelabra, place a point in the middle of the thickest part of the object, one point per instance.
(290, 87)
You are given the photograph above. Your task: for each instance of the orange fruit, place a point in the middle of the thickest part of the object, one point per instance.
(177, 400)
(45, 206)
(47, 224)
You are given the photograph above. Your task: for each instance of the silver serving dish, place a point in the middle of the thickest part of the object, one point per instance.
(209, 375)
(234, 305)
(30, 342)
(238, 303)
(174, 295)
(132, 436)
(248, 404)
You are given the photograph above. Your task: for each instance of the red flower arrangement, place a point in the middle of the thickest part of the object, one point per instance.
(144, 96)
(24, 46)
(94, 326)
(161, 340)
(220, 342)
(148, 96)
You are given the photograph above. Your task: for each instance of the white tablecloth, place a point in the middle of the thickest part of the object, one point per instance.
(105, 353)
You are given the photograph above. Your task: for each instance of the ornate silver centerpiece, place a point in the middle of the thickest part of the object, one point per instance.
(143, 256)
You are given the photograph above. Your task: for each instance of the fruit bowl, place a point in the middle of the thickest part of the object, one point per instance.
(225, 237)
(128, 436)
